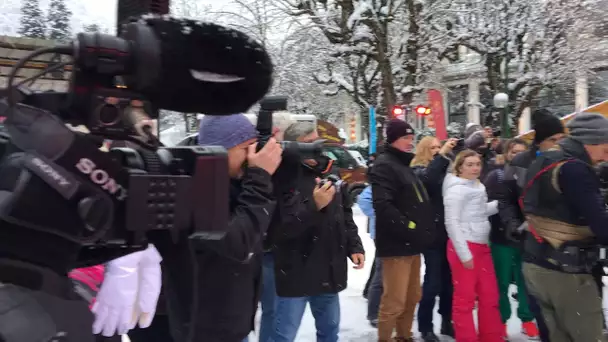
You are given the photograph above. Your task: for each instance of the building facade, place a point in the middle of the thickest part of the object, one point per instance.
(467, 99)
(12, 49)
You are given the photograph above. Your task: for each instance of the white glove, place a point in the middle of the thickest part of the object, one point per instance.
(150, 281)
(113, 308)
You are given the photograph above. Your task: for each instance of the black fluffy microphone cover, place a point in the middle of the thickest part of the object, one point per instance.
(207, 68)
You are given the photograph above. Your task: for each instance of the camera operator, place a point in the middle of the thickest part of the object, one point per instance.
(312, 241)
(227, 271)
(567, 220)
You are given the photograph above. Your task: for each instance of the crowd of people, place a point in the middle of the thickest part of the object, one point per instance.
(463, 209)
(481, 213)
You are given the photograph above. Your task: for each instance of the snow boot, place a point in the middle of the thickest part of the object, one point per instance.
(447, 328)
(530, 330)
(430, 337)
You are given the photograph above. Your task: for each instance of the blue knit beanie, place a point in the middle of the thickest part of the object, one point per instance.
(225, 130)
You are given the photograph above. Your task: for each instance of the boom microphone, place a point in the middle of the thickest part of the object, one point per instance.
(177, 64)
(204, 68)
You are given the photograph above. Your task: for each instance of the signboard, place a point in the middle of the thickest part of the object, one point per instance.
(436, 104)
(373, 131)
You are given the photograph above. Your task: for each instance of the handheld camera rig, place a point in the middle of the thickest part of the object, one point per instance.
(73, 205)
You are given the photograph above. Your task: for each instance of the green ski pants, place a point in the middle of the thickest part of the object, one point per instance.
(507, 265)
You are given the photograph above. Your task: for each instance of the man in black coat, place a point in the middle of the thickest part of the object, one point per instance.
(405, 227)
(212, 287)
(312, 243)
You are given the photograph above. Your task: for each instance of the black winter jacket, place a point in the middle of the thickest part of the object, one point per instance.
(405, 217)
(213, 286)
(495, 187)
(509, 211)
(432, 177)
(515, 172)
(311, 247)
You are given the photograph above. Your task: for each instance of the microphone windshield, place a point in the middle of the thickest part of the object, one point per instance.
(204, 67)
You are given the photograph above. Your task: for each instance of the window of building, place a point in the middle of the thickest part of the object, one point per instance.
(457, 103)
(559, 99)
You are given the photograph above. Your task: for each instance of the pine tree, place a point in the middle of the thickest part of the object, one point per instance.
(58, 21)
(32, 20)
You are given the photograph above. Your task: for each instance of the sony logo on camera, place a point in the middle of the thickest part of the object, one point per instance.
(101, 177)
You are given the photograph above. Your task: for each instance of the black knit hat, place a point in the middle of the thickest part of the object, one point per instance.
(397, 128)
(545, 124)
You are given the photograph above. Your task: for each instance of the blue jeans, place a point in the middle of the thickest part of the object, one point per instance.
(374, 294)
(268, 299)
(437, 283)
(325, 309)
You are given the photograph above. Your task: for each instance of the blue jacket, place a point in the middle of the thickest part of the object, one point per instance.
(367, 207)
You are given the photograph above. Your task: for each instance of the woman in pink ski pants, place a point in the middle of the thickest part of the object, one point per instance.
(466, 218)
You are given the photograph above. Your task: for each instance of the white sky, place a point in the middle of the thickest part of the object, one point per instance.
(104, 11)
(84, 12)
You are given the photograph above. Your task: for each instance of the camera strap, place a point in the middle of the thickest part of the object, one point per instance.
(529, 185)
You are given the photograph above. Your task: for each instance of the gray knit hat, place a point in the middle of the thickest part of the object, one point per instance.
(589, 128)
(225, 130)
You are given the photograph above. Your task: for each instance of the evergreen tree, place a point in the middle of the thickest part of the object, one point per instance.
(58, 20)
(32, 20)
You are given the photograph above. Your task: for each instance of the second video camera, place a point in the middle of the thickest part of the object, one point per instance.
(264, 126)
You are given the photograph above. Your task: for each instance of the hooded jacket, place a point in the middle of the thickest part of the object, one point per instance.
(466, 213)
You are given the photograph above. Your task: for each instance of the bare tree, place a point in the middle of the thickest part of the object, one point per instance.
(380, 52)
(525, 45)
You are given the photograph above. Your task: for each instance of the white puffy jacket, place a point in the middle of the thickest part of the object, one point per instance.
(466, 213)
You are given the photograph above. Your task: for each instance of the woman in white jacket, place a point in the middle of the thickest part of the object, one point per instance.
(466, 218)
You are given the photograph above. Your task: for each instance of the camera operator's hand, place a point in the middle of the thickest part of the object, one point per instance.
(448, 147)
(359, 260)
(268, 158)
(150, 280)
(323, 194)
(113, 308)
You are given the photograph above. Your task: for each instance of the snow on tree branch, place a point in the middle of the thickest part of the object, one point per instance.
(537, 39)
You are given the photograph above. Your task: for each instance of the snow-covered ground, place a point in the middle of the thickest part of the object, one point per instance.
(354, 324)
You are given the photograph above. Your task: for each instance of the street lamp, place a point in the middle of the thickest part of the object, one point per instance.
(501, 101)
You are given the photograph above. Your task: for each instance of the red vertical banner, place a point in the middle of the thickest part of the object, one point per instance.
(436, 103)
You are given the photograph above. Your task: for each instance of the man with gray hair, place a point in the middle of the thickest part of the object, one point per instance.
(299, 129)
(567, 220)
(312, 241)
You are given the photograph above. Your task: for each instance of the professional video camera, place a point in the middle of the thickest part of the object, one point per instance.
(63, 202)
(264, 126)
